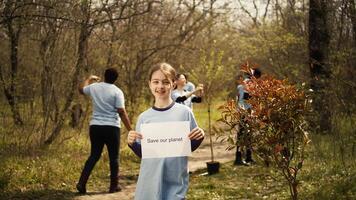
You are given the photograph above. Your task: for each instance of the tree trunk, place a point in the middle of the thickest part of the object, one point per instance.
(350, 69)
(12, 100)
(48, 95)
(11, 90)
(82, 51)
(210, 134)
(353, 20)
(319, 40)
(294, 189)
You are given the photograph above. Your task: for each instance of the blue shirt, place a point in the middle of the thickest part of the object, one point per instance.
(106, 99)
(240, 96)
(190, 87)
(164, 178)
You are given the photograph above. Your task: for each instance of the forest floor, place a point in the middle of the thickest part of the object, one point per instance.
(196, 162)
(26, 172)
(53, 175)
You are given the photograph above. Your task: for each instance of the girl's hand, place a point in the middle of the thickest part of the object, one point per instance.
(196, 134)
(132, 136)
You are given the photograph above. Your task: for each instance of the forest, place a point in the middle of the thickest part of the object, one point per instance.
(48, 47)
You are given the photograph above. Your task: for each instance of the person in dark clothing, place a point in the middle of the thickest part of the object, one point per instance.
(108, 110)
(241, 97)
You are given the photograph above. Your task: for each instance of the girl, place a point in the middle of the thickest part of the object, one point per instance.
(180, 95)
(163, 178)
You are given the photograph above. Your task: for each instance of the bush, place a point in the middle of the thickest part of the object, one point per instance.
(275, 127)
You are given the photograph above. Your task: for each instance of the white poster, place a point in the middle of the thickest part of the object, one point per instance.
(166, 139)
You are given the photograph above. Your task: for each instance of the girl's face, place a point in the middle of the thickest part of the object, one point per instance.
(181, 81)
(160, 85)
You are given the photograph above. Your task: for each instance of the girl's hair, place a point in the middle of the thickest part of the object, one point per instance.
(178, 75)
(166, 69)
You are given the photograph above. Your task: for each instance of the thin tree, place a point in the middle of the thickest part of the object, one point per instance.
(13, 28)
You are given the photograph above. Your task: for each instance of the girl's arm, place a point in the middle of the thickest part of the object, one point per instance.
(196, 99)
(188, 94)
(181, 99)
(136, 148)
(133, 144)
(195, 144)
(196, 137)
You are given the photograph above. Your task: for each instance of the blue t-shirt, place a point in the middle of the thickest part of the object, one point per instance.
(240, 96)
(190, 87)
(106, 98)
(164, 178)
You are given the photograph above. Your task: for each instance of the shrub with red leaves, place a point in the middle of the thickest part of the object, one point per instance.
(275, 126)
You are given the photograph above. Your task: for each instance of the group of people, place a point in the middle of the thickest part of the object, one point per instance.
(159, 178)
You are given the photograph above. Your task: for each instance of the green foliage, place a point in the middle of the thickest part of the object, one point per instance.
(212, 73)
(201, 114)
(277, 49)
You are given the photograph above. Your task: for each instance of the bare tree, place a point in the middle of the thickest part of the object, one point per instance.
(13, 32)
(131, 35)
(90, 19)
(352, 11)
(142, 40)
(254, 16)
(81, 52)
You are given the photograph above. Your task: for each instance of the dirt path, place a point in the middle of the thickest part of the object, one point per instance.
(197, 161)
(202, 155)
(127, 193)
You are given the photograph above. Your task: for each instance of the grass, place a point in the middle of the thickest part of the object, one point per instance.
(253, 182)
(27, 172)
(201, 113)
(326, 176)
(53, 172)
(322, 177)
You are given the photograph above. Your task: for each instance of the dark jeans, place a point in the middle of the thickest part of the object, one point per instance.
(100, 136)
(243, 133)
